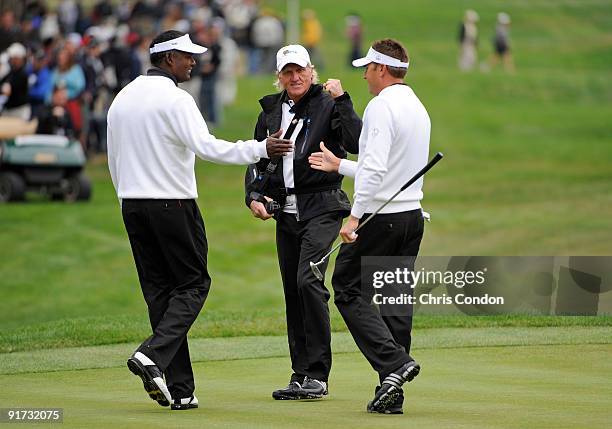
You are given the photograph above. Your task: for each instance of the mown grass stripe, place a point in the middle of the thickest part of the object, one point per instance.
(126, 328)
(216, 349)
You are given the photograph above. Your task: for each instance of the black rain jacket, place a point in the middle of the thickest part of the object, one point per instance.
(326, 119)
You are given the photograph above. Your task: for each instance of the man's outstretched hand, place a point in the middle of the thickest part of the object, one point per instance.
(276, 146)
(325, 160)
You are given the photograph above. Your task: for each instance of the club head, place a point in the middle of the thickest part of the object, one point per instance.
(316, 271)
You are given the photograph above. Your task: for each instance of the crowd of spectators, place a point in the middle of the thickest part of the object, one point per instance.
(63, 65)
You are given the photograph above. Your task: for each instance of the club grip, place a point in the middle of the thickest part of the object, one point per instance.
(437, 157)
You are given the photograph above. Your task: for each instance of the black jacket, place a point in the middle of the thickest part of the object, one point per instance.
(326, 119)
(18, 79)
(58, 123)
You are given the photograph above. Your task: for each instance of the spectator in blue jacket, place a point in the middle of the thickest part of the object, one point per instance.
(70, 75)
(40, 80)
(68, 72)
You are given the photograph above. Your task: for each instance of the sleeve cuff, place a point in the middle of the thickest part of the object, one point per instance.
(342, 97)
(347, 167)
(260, 149)
(358, 210)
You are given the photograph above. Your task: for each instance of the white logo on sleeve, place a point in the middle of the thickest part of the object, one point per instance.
(375, 132)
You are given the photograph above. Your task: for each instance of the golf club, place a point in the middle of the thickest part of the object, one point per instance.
(315, 266)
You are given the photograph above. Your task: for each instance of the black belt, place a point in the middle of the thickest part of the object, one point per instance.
(313, 190)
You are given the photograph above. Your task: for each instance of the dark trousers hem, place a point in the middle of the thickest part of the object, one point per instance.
(170, 249)
(306, 298)
(384, 341)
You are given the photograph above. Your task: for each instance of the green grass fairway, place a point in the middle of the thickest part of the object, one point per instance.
(563, 386)
(526, 172)
(471, 378)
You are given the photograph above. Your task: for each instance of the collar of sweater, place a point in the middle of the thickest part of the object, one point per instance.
(156, 71)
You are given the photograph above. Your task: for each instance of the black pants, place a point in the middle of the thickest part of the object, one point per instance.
(308, 326)
(169, 245)
(383, 340)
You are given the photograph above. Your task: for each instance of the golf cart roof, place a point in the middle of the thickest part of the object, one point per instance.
(42, 140)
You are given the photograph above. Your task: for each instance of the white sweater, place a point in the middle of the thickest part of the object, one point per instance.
(154, 132)
(393, 146)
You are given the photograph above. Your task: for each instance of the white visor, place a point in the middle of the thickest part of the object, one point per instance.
(183, 44)
(376, 57)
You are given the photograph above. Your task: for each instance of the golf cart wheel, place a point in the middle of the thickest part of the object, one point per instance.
(78, 189)
(12, 187)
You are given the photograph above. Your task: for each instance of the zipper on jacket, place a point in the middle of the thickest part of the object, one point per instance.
(305, 136)
(304, 143)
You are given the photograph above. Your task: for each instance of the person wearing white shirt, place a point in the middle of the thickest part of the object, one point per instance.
(155, 131)
(393, 146)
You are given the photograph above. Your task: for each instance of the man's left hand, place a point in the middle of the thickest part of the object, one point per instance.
(347, 233)
(334, 87)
